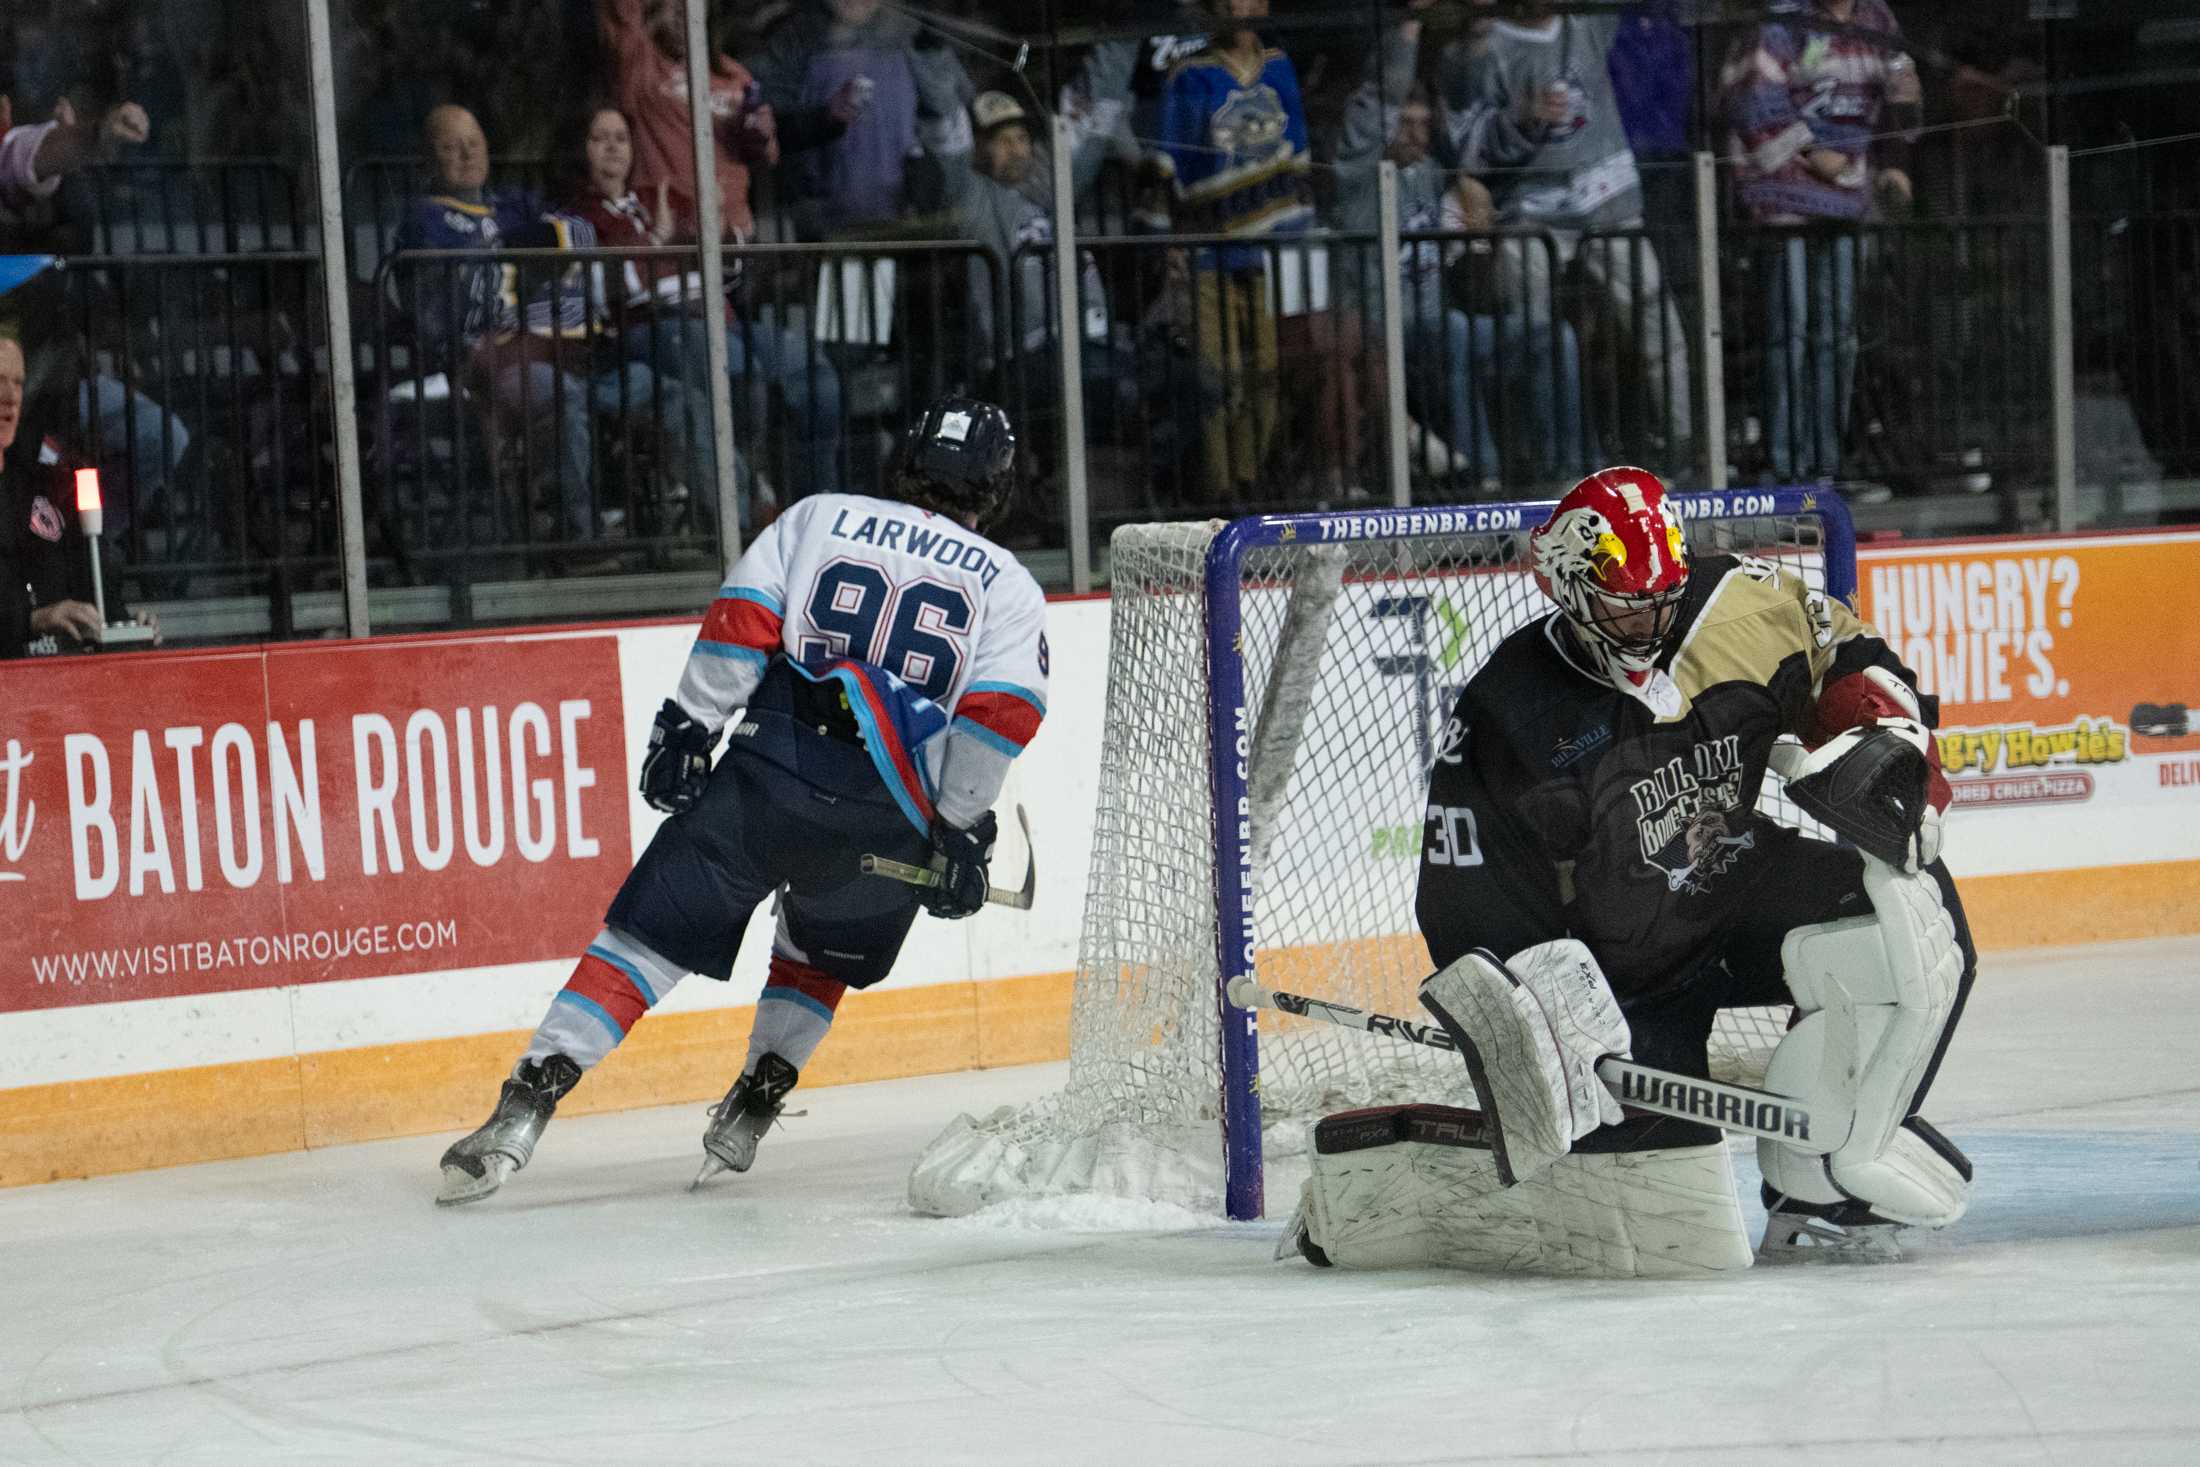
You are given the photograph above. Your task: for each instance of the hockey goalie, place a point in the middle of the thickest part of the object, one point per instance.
(1597, 880)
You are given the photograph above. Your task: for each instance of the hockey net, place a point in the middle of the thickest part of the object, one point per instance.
(1351, 635)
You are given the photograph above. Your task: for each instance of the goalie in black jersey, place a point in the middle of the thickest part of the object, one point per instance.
(1597, 789)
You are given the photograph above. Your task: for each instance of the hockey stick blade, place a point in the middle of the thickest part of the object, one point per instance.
(1739, 1108)
(999, 896)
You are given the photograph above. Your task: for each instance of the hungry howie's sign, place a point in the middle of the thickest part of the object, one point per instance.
(2046, 656)
(213, 822)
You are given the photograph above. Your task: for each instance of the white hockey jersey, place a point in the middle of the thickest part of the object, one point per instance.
(937, 634)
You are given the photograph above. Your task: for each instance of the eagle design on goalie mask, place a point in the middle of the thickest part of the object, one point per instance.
(1613, 557)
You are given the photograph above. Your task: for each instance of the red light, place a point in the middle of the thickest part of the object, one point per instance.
(87, 490)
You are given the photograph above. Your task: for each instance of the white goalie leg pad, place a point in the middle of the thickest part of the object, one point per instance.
(1875, 993)
(1531, 1030)
(1417, 1186)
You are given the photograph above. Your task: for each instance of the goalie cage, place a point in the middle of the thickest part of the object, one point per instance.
(1278, 688)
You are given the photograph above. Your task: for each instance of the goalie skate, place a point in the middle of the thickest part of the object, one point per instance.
(476, 1166)
(739, 1121)
(1847, 1232)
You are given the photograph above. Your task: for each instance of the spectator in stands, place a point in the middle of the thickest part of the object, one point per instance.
(645, 45)
(1530, 110)
(1234, 130)
(1804, 96)
(1653, 67)
(1513, 353)
(525, 332)
(1158, 57)
(46, 594)
(663, 326)
(1001, 190)
(140, 443)
(845, 78)
(1464, 348)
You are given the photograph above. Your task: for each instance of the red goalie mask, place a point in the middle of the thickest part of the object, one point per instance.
(1613, 557)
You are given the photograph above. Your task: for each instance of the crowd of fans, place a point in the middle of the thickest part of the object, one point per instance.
(1230, 337)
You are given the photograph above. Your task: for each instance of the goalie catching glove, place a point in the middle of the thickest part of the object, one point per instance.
(1875, 777)
(1531, 1032)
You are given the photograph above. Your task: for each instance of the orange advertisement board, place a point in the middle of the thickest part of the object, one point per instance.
(2068, 673)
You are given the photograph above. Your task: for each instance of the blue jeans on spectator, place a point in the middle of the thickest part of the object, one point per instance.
(759, 356)
(549, 398)
(140, 445)
(1481, 356)
(1810, 356)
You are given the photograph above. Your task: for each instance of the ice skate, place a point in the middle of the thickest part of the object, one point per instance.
(477, 1166)
(1837, 1232)
(740, 1120)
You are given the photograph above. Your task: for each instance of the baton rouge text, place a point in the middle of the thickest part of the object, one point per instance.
(424, 787)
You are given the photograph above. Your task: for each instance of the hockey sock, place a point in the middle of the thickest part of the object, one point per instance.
(616, 982)
(793, 1013)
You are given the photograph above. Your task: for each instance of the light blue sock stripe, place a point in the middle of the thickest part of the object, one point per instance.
(796, 995)
(764, 599)
(1012, 690)
(594, 1010)
(989, 738)
(649, 994)
(727, 649)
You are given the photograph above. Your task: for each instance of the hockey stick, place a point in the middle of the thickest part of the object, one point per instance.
(999, 896)
(1740, 1108)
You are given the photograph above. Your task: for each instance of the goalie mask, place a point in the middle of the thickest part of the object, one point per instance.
(1613, 557)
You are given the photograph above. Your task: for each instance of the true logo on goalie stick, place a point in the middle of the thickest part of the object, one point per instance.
(1717, 1105)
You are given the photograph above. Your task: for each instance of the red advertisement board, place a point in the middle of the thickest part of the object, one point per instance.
(220, 821)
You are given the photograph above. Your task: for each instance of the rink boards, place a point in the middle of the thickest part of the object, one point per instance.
(309, 894)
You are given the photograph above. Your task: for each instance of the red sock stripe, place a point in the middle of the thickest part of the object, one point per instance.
(805, 980)
(739, 622)
(609, 989)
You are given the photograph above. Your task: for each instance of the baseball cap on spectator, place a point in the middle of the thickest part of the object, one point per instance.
(995, 109)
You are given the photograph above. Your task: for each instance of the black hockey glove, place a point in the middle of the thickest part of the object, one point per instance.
(677, 765)
(963, 860)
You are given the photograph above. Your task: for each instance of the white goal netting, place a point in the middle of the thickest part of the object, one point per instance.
(1353, 654)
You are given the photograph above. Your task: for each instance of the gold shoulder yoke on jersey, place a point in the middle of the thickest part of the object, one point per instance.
(1742, 633)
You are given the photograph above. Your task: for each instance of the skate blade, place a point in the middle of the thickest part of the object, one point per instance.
(712, 1166)
(1815, 1245)
(461, 1186)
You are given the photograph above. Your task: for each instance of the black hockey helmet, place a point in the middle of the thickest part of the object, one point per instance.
(958, 459)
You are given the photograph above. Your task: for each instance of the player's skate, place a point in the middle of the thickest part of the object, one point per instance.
(1837, 1232)
(477, 1166)
(740, 1120)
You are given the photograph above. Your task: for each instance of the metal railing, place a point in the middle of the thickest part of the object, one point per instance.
(547, 410)
(196, 383)
(557, 433)
(217, 206)
(1910, 354)
(2136, 285)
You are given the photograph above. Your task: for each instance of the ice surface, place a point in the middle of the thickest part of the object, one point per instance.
(316, 1308)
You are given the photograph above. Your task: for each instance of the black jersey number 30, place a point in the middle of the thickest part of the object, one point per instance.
(1451, 837)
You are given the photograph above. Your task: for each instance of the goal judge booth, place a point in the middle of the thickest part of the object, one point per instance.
(875, 665)
(1604, 884)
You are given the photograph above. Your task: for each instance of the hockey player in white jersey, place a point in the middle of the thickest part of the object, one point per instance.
(876, 664)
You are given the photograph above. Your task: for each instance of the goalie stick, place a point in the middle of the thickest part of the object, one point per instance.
(999, 896)
(1739, 1108)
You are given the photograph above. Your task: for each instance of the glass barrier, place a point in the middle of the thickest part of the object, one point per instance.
(535, 419)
